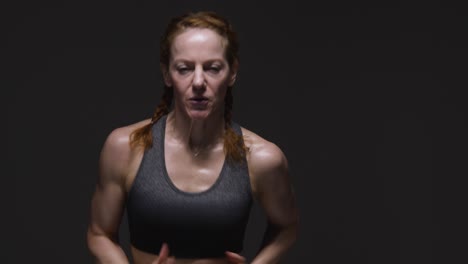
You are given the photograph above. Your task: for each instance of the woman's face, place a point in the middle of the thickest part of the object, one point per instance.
(199, 72)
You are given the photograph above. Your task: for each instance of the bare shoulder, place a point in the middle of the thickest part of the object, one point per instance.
(118, 139)
(116, 154)
(263, 153)
(266, 160)
(270, 181)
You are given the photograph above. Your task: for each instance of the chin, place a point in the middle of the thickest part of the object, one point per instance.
(199, 114)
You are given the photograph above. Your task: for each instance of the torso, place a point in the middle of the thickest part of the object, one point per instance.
(207, 167)
(199, 173)
(141, 257)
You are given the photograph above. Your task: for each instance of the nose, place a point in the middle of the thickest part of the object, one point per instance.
(198, 81)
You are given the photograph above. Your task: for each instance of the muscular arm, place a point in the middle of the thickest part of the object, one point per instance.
(108, 201)
(274, 192)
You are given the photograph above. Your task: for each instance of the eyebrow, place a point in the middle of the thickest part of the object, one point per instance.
(206, 62)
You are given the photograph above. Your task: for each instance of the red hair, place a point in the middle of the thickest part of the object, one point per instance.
(234, 146)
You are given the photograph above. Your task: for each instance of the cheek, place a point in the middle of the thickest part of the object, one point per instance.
(179, 93)
(221, 85)
(221, 93)
(180, 86)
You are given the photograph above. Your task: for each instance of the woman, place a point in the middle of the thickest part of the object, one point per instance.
(188, 175)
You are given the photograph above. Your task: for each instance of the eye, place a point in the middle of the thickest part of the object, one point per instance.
(214, 69)
(183, 69)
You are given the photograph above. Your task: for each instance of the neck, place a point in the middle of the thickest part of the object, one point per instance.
(196, 135)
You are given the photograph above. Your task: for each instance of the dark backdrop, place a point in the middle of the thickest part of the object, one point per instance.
(365, 100)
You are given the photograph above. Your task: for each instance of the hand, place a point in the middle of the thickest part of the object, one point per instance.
(163, 257)
(235, 258)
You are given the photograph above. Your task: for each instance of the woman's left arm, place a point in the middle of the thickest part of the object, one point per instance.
(273, 190)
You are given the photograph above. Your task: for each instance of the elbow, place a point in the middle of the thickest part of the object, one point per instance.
(285, 234)
(104, 249)
(92, 241)
(292, 232)
(97, 242)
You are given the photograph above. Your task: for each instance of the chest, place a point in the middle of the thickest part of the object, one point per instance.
(193, 173)
(174, 187)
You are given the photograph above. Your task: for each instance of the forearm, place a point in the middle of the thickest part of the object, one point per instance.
(275, 244)
(105, 250)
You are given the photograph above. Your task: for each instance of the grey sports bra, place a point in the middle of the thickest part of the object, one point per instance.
(194, 225)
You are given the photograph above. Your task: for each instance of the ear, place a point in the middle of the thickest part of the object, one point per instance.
(165, 74)
(233, 73)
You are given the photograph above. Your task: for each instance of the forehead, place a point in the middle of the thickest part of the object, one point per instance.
(198, 43)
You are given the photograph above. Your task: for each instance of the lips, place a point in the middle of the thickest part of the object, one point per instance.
(198, 102)
(198, 99)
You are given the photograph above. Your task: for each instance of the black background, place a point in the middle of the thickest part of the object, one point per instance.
(365, 99)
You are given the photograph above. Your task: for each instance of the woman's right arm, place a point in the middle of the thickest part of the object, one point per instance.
(107, 204)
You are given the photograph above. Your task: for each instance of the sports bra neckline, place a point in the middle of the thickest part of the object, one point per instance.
(166, 174)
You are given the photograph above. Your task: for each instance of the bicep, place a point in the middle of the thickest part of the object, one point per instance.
(278, 201)
(107, 207)
(275, 192)
(107, 204)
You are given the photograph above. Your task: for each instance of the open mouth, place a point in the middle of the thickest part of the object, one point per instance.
(199, 103)
(198, 99)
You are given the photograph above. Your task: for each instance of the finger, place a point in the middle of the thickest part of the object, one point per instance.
(234, 257)
(170, 260)
(163, 254)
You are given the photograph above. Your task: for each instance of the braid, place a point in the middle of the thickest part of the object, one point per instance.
(228, 100)
(233, 143)
(143, 135)
(164, 106)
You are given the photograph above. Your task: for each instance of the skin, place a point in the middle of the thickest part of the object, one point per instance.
(197, 68)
